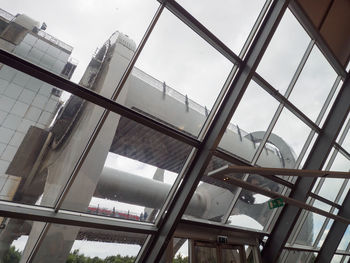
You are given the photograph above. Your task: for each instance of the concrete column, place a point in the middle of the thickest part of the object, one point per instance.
(59, 239)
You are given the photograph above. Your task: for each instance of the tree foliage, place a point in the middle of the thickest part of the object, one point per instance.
(14, 256)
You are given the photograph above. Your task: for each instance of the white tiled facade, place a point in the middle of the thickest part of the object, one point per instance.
(25, 101)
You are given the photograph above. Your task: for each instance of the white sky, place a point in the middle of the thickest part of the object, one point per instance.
(176, 55)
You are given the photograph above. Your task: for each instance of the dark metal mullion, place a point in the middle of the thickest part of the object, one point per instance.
(283, 100)
(93, 97)
(324, 200)
(279, 111)
(303, 186)
(325, 223)
(197, 167)
(281, 106)
(318, 120)
(64, 217)
(255, 28)
(201, 30)
(344, 152)
(318, 187)
(106, 112)
(292, 201)
(337, 229)
(315, 34)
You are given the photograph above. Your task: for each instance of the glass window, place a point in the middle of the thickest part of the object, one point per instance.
(300, 256)
(177, 77)
(137, 167)
(86, 25)
(325, 232)
(310, 229)
(249, 123)
(230, 21)
(345, 241)
(291, 133)
(313, 85)
(284, 54)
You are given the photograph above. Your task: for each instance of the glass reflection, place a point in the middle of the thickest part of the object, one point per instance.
(284, 54)
(247, 129)
(345, 241)
(64, 243)
(182, 84)
(310, 229)
(300, 256)
(86, 25)
(293, 133)
(230, 21)
(313, 85)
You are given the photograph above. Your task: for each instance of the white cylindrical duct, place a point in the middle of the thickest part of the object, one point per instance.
(132, 189)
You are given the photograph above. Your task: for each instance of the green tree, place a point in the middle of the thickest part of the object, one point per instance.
(12, 255)
(180, 259)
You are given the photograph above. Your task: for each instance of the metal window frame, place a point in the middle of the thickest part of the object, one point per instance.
(303, 186)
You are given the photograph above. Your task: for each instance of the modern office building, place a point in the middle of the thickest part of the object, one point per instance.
(131, 161)
(26, 101)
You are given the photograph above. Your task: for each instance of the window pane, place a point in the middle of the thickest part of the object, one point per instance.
(291, 133)
(137, 171)
(313, 85)
(344, 243)
(249, 123)
(284, 53)
(87, 25)
(230, 21)
(180, 86)
(310, 229)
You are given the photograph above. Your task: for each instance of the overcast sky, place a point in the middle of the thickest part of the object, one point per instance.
(176, 55)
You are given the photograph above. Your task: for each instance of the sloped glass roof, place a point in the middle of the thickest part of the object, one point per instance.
(179, 118)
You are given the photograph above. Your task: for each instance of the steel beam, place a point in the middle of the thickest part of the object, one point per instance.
(286, 171)
(224, 175)
(335, 234)
(154, 249)
(303, 186)
(93, 97)
(64, 217)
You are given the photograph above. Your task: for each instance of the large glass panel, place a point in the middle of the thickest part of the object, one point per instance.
(310, 229)
(13, 238)
(230, 21)
(28, 107)
(63, 243)
(333, 184)
(338, 259)
(253, 210)
(137, 167)
(313, 85)
(295, 256)
(341, 163)
(289, 135)
(325, 232)
(284, 53)
(181, 85)
(249, 123)
(85, 26)
(213, 198)
(345, 241)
